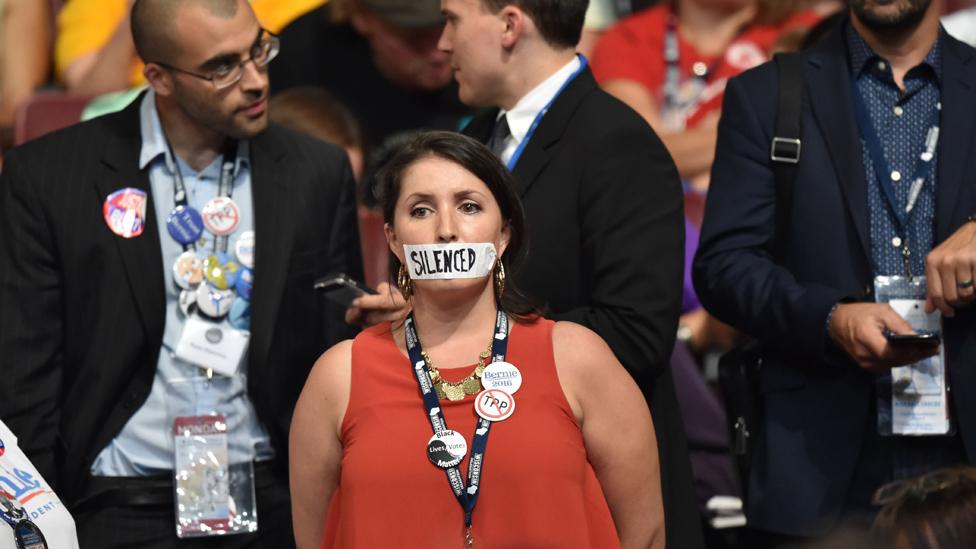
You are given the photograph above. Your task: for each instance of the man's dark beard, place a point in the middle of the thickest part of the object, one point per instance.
(905, 19)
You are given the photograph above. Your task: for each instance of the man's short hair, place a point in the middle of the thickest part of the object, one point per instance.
(152, 21)
(559, 21)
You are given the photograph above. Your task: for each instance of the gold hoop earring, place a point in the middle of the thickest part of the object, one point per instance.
(499, 280)
(404, 283)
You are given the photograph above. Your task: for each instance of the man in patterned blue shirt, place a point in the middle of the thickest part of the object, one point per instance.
(882, 189)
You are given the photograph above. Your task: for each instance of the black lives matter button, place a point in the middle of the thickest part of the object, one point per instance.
(446, 449)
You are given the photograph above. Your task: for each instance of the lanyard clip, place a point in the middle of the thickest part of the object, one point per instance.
(906, 255)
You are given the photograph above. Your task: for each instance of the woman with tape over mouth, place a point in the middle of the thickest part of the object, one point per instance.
(475, 422)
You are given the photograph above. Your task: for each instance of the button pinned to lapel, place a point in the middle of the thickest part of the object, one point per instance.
(125, 212)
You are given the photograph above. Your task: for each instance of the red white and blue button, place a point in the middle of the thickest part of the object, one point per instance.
(125, 212)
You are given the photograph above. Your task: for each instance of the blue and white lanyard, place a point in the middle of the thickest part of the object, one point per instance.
(467, 496)
(538, 117)
(882, 170)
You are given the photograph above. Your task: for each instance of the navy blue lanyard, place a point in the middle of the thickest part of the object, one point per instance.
(225, 188)
(538, 117)
(26, 533)
(882, 170)
(467, 496)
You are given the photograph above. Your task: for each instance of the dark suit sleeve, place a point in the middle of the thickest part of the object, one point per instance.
(735, 276)
(30, 318)
(633, 249)
(345, 253)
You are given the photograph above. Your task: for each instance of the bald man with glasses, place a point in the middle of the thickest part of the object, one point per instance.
(156, 301)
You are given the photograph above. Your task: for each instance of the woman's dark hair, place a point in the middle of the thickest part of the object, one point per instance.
(934, 511)
(483, 164)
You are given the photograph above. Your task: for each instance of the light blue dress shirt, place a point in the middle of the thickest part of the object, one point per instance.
(145, 444)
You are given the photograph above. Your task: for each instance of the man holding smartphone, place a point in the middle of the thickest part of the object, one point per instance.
(853, 396)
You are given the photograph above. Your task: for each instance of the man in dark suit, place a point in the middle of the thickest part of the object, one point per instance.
(92, 316)
(602, 200)
(805, 286)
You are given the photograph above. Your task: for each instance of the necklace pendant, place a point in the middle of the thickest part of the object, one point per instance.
(454, 393)
(439, 388)
(471, 386)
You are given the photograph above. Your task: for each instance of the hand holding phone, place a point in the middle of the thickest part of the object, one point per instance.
(387, 305)
(918, 339)
(341, 289)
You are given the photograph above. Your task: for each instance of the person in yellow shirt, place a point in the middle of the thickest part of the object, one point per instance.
(94, 53)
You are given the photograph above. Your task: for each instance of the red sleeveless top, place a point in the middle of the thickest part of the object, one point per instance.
(537, 489)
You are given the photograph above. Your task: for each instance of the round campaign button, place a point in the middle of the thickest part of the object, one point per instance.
(494, 405)
(188, 270)
(184, 224)
(245, 282)
(125, 212)
(244, 249)
(502, 375)
(213, 302)
(446, 449)
(220, 274)
(240, 315)
(221, 215)
(188, 298)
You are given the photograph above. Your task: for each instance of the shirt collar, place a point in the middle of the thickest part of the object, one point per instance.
(522, 115)
(864, 59)
(154, 139)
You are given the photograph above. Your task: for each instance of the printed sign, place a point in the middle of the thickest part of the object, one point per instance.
(449, 261)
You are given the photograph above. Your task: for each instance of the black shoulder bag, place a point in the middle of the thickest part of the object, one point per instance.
(739, 368)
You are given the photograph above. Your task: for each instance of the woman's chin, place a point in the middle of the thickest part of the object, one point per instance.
(455, 287)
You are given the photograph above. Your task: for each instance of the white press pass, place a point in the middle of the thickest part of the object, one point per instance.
(447, 261)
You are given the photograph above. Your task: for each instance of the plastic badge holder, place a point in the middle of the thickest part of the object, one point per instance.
(214, 481)
(913, 399)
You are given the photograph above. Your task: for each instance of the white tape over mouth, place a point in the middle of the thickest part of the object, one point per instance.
(449, 261)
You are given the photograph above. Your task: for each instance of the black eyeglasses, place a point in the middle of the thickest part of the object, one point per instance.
(262, 53)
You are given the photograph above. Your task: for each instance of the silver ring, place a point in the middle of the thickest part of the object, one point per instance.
(965, 284)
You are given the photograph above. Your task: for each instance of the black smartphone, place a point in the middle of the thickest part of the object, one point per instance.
(921, 338)
(342, 289)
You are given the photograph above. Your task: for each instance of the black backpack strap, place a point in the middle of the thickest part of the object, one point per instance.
(739, 368)
(785, 149)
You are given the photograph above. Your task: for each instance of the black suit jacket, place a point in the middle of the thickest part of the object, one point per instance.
(603, 203)
(817, 401)
(82, 310)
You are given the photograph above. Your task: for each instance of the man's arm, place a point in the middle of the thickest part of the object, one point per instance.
(735, 276)
(633, 248)
(26, 32)
(105, 68)
(30, 318)
(345, 254)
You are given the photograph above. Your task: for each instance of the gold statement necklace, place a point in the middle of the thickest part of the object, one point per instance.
(470, 385)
